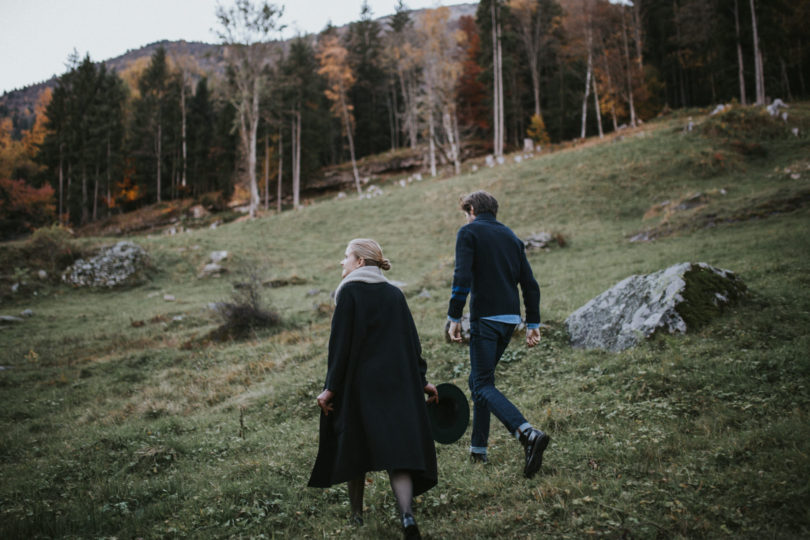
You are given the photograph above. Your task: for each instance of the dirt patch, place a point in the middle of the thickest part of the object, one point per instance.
(705, 215)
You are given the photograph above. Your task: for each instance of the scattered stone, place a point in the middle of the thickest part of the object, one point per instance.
(500, 160)
(215, 224)
(42, 274)
(27, 313)
(474, 168)
(773, 108)
(211, 269)
(518, 158)
(717, 110)
(123, 264)
(218, 256)
(198, 211)
(169, 297)
(417, 177)
(528, 145)
(313, 292)
(490, 161)
(15, 287)
(403, 183)
(9, 319)
(341, 195)
(424, 293)
(680, 298)
(178, 318)
(544, 240)
(795, 131)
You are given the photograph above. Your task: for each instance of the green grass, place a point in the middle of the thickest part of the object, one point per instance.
(115, 430)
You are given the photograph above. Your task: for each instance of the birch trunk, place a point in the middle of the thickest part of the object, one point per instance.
(280, 168)
(266, 172)
(630, 102)
(598, 108)
(740, 65)
(758, 75)
(432, 144)
(158, 151)
(183, 127)
(254, 127)
(349, 136)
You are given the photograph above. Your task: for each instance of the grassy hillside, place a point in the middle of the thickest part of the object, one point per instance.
(120, 419)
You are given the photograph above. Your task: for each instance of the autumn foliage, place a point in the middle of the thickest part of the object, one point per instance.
(23, 207)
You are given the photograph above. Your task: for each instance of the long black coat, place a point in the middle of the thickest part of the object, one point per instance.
(377, 374)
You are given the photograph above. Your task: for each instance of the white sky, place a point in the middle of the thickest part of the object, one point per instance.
(36, 36)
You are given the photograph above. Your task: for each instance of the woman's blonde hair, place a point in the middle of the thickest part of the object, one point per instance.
(370, 251)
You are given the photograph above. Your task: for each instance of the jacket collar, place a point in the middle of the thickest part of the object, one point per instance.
(486, 216)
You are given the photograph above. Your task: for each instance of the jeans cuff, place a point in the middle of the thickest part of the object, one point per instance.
(521, 428)
(478, 450)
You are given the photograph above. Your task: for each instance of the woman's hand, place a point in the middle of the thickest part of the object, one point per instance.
(325, 401)
(433, 394)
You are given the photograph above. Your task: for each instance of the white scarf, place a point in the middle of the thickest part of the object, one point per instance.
(366, 274)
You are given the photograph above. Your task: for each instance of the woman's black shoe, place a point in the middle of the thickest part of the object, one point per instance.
(409, 528)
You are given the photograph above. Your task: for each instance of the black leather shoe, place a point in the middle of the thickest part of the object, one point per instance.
(478, 458)
(534, 444)
(409, 528)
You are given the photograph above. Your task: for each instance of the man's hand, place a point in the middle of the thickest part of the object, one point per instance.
(433, 394)
(325, 402)
(455, 331)
(532, 337)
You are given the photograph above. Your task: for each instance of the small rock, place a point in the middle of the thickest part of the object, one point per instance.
(313, 292)
(27, 313)
(42, 274)
(211, 269)
(178, 318)
(424, 293)
(8, 319)
(218, 256)
(490, 161)
(169, 297)
(15, 287)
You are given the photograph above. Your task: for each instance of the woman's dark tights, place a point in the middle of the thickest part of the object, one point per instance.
(401, 485)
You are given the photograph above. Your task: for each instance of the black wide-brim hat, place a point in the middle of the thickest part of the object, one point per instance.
(449, 417)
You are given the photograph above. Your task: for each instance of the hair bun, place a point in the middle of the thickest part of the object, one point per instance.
(385, 264)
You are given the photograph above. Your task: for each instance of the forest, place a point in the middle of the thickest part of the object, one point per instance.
(438, 87)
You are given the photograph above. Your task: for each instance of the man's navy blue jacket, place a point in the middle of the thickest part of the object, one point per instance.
(490, 263)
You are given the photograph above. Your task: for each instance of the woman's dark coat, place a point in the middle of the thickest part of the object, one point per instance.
(377, 374)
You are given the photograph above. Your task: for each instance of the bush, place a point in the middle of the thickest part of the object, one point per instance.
(23, 207)
(246, 311)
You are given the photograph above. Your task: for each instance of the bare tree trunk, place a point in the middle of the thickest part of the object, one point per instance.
(598, 108)
(84, 194)
(296, 157)
(109, 174)
(183, 127)
(740, 70)
(785, 79)
(451, 140)
(95, 195)
(637, 32)
(267, 172)
(68, 197)
(280, 168)
(629, 72)
(348, 124)
(432, 143)
(611, 90)
(158, 154)
(251, 150)
(497, 67)
(587, 94)
(61, 182)
(759, 77)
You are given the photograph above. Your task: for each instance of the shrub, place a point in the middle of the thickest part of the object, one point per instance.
(246, 310)
(23, 207)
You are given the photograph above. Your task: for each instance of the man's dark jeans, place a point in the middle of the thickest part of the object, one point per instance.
(488, 341)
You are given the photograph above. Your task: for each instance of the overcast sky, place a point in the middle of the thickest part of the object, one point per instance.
(37, 36)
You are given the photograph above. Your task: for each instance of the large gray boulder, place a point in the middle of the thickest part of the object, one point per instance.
(123, 264)
(679, 298)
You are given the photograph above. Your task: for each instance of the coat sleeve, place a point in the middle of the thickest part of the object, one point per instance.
(462, 274)
(530, 288)
(340, 342)
(417, 343)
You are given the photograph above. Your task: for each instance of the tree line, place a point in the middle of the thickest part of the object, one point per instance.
(548, 70)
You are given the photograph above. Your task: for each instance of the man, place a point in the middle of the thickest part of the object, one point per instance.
(490, 263)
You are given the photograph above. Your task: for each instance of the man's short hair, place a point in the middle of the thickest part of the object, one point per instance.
(480, 202)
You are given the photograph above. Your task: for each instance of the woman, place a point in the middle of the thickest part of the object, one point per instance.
(373, 410)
